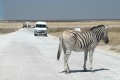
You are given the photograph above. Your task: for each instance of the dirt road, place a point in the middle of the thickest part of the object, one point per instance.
(24, 56)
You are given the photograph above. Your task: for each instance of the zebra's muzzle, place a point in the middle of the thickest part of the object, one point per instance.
(106, 40)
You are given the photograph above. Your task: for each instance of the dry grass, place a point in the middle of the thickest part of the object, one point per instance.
(83, 24)
(114, 37)
(9, 27)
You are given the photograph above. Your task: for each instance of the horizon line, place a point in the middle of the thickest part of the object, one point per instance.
(60, 20)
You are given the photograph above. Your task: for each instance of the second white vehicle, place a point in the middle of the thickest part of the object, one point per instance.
(40, 28)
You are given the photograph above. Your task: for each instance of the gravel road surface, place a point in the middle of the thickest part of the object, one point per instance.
(24, 56)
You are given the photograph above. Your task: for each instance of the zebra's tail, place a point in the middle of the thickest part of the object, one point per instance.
(60, 48)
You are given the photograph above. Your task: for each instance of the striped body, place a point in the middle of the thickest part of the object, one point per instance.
(79, 41)
(71, 40)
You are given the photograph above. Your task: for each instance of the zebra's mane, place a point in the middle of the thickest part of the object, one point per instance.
(97, 27)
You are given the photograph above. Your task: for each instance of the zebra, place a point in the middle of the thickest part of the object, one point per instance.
(77, 41)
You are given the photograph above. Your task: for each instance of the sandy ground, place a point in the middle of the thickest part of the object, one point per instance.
(24, 56)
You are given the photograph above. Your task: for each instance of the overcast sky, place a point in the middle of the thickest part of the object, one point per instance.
(1, 9)
(59, 9)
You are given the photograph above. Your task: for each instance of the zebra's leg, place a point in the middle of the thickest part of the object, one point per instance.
(91, 58)
(85, 59)
(66, 56)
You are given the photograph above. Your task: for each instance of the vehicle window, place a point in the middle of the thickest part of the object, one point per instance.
(41, 26)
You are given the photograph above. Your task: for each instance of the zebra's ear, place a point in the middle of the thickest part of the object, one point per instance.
(101, 25)
(93, 28)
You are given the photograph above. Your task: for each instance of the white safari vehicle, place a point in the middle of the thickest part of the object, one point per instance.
(26, 25)
(40, 28)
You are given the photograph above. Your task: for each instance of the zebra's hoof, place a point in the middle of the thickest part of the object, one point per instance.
(67, 72)
(85, 69)
(91, 70)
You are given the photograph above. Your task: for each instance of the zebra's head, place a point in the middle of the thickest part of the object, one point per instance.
(101, 33)
(105, 36)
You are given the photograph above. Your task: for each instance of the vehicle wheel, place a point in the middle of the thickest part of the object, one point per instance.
(45, 34)
(35, 34)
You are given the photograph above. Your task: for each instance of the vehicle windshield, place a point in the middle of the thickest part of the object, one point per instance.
(40, 26)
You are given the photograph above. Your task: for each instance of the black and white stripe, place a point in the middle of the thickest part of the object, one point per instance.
(81, 41)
